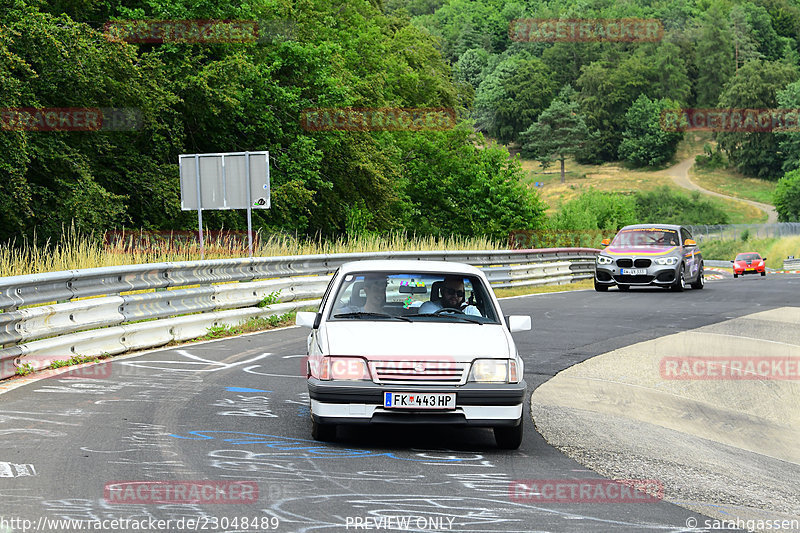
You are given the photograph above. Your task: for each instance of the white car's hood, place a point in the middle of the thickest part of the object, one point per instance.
(460, 341)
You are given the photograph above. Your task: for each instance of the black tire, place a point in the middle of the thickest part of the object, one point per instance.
(323, 432)
(600, 288)
(700, 282)
(680, 281)
(763, 273)
(735, 276)
(623, 287)
(509, 438)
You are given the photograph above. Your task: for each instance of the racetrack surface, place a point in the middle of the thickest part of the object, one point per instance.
(236, 409)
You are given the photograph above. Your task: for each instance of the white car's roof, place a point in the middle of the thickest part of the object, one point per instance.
(411, 265)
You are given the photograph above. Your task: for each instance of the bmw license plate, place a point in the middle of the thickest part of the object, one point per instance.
(413, 400)
(633, 271)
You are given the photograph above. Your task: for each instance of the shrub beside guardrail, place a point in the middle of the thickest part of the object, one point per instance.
(91, 311)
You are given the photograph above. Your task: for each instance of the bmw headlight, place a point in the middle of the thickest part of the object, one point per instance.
(603, 260)
(667, 261)
(492, 371)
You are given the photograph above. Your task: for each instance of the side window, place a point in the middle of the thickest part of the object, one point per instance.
(684, 235)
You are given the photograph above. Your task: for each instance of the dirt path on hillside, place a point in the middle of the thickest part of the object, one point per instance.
(680, 175)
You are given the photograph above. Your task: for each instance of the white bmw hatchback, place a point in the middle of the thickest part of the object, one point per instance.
(414, 342)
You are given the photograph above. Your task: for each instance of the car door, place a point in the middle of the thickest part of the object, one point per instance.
(691, 255)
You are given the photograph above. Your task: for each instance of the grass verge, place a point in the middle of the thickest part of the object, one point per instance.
(731, 183)
(252, 325)
(77, 251)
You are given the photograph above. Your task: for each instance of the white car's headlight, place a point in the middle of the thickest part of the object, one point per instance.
(603, 260)
(666, 261)
(344, 368)
(494, 371)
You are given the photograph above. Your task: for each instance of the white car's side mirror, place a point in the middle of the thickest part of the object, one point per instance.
(516, 323)
(308, 319)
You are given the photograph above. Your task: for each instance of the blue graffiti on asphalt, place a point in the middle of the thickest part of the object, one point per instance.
(244, 389)
(310, 447)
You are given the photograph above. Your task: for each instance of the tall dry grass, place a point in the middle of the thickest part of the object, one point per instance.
(75, 251)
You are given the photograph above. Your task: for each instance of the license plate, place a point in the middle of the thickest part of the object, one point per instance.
(633, 271)
(750, 269)
(413, 400)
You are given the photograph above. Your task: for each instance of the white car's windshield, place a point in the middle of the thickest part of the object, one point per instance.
(413, 296)
(646, 237)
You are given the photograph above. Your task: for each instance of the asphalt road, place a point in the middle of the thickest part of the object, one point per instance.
(236, 410)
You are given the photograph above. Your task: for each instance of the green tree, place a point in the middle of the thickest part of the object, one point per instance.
(608, 89)
(644, 141)
(559, 131)
(787, 197)
(789, 141)
(455, 186)
(755, 86)
(714, 56)
(512, 96)
(471, 66)
(745, 47)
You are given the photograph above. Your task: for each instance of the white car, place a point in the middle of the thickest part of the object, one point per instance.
(417, 342)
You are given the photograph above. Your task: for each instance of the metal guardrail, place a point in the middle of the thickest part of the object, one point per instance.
(92, 311)
(791, 264)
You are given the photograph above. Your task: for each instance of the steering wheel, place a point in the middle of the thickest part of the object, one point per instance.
(448, 310)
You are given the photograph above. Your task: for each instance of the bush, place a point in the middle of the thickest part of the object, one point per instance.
(595, 210)
(787, 197)
(604, 210)
(712, 159)
(668, 206)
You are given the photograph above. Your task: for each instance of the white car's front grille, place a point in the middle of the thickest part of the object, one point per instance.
(419, 372)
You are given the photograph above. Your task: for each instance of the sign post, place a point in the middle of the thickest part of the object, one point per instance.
(234, 180)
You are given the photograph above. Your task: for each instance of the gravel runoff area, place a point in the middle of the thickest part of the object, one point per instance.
(727, 448)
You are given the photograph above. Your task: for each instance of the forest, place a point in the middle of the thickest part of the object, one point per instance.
(230, 95)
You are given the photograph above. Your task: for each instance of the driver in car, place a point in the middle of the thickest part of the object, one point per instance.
(452, 292)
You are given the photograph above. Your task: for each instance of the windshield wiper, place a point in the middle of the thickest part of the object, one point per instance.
(363, 314)
(465, 318)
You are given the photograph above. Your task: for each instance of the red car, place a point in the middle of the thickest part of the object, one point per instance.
(749, 263)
